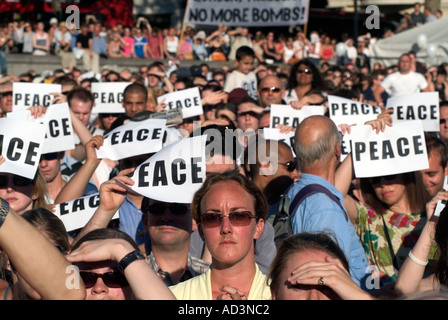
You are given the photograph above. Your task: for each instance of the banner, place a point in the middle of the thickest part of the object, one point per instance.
(108, 96)
(399, 149)
(21, 144)
(25, 94)
(422, 106)
(249, 13)
(346, 111)
(287, 115)
(57, 121)
(174, 173)
(133, 138)
(76, 213)
(189, 100)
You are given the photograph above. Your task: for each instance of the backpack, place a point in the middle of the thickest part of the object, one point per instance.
(287, 208)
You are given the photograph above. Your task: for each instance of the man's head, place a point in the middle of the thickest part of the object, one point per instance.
(270, 91)
(155, 73)
(317, 144)
(6, 98)
(134, 100)
(50, 166)
(433, 178)
(405, 63)
(443, 107)
(81, 101)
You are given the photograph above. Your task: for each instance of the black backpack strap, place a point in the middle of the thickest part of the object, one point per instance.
(309, 190)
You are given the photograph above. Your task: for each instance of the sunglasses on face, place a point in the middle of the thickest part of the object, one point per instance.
(175, 208)
(237, 219)
(307, 71)
(111, 279)
(49, 156)
(377, 180)
(270, 90)
(442, 121)
(18, 181)
(108, 115)
(290, 165)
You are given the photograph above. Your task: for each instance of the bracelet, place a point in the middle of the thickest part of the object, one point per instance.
(4, 209)
(417, 261)
(129, 258)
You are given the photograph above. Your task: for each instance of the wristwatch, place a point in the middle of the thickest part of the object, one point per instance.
(129, 258)
(4, 209)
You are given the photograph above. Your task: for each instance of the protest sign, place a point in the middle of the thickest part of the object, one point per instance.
(76, 213)
(133, 138)
(189, 100)
(21, 148)
(59, 130)
(346, 111)
(248, 13)
(287, 115)
(174, 173)
(25, 94)
(108, 96)
(399, 149)
(275, 134)
(422, 106)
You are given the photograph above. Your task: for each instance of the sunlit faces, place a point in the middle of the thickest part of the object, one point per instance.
(287, 291)
(229, 244)
(81, 109)
(270, 91)
(444, 123)
(18, 191)
(389, 189)
(246, 64)
(247, 119)
(433, 177)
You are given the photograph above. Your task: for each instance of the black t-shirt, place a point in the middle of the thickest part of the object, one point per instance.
(84, 40)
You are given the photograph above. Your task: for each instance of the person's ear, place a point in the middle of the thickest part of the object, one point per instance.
(259, 229)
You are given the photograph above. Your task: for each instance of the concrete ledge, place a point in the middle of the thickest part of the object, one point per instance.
(22, 63)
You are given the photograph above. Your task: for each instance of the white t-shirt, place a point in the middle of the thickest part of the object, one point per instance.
(397, 83)
(238, 79)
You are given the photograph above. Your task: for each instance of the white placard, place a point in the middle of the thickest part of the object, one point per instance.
(346, 145)
(174, 173)
(346, 111)
(275, 134)
(248, 13)
(57, 121)
(108, 96)
(287, 115)
(75, 214)
(399, 149)
(189, 100)
(25, 94)
(422, 106)
(133, 138)
(21, 144)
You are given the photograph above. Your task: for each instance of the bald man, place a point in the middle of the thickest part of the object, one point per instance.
(270, 91)
(318, 149)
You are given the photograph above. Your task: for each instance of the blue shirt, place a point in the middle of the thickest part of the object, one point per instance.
(130, 218)
(319, 213)
(139, 46)
(99, 44)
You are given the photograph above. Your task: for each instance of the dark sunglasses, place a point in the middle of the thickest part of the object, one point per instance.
(272, 90)
(18, 181)
(442, 121)
(49, 156)
(108, 115)
(237, 219)
(111, 279)
(377, 180)
(290, 165)
(175, 208)
(307, 71)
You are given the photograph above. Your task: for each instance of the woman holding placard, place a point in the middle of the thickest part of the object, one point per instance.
(230, 211)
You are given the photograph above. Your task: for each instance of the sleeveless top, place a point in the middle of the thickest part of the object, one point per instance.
(171, 46)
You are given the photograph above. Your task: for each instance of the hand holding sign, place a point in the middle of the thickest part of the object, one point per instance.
(189, 100)
(289, 116)
(26, 94)
(346, 111)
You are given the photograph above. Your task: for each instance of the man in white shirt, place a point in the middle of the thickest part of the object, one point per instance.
(403, 81)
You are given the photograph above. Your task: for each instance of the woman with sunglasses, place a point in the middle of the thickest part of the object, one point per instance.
(304, 76)
(230, 211)
(22, 193)
(113, 268)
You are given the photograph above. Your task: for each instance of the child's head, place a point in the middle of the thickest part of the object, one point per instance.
(245, 57)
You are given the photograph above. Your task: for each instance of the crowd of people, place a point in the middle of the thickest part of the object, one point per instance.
(225, 243)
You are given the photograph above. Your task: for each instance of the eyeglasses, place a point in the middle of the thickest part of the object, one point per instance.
(113, 279)
(377, 180)
(442, 121)
(159, 208)
(18, 181)
(49, 156)
(237, 219)
(270, 90)
(290, 165)
(307, 71)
